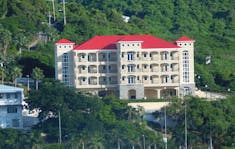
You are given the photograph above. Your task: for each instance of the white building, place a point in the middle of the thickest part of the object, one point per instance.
(11, 107)
(128, 66)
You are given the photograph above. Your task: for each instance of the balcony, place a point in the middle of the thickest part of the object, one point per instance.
(92, 69)
(92, 57)
(10, 102)
(92, 81)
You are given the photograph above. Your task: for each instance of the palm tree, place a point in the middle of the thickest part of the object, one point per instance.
(20, 40)
(37, 75)
(16, 73)
(5, 39)
(3, 73)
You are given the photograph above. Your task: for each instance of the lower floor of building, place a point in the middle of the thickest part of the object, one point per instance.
(141, 92)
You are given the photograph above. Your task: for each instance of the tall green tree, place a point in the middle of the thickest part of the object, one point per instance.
(16, 72)
(5, 39)
(2, 73)
(37, 75)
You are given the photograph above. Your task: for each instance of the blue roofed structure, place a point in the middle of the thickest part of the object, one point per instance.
(11, 107)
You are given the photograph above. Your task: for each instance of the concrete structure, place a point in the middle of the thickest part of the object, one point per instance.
(128, 66)
(11, 107)
(149, 107)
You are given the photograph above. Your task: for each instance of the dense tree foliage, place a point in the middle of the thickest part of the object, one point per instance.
(12, 139)
(95, 121)
(204, 119)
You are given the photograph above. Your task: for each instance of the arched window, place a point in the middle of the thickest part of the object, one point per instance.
(185, 66)
(130, 68)
(131, 79)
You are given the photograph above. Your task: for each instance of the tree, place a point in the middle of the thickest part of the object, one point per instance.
(37, 75)
(16, 72)
(2, 73)
(205, 119)
(20, 40)
(5, 39)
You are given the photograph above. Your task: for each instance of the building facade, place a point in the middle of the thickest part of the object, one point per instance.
(128, 66)
(11, 107)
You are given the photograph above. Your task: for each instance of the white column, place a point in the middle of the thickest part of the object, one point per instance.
(158, 93)
(97, 57)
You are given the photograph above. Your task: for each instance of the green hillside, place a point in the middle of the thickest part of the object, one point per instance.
(210, 22)
(27, 40)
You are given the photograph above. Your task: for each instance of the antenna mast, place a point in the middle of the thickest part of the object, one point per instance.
(64, 12)
(53, 6)
(49, 19)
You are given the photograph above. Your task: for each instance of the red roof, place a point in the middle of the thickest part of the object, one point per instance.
(64, 41)
(184, 38)
(109, 42)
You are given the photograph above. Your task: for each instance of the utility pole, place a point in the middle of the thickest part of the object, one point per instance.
(143, 141)
(165, 136)
(64, 12)
(53, 7)
(59, 129)
(211, 143)
(185, 119)
(118, 143)
(49, 19)
(165, 139)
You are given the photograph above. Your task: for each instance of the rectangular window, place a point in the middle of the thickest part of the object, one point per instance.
(123, 66)
(8, 96)
(16, 95)
(145, 55)
(1, 96)
(89, 58)
(131, 80)
(166, 68)
(166, 79)
(145, 78)
(130, 68)
(145, 66)
(65, 57)
(11, 109)
(165, 56)
(130, 56)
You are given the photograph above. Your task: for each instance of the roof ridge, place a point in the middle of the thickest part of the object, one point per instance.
(184, 38)
(64, 40)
